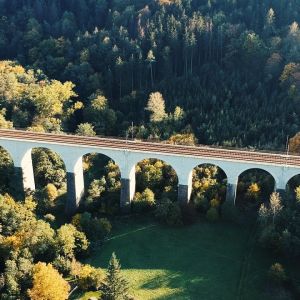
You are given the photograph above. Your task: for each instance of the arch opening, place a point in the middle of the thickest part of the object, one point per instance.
(293, 187)
(102, 181)
(155, 180)
(208, 188)
(8, 180)
(50, 179)
(254, 188)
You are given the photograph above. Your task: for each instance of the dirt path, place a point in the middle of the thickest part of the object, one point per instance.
(129, 232)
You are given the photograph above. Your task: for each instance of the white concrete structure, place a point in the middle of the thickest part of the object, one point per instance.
(72, 153)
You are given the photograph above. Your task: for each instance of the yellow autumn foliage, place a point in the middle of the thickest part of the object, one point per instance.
(48, 284)
(253, 190)
(294, 143)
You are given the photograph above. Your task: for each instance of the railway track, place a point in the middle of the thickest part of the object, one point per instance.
(113, 143)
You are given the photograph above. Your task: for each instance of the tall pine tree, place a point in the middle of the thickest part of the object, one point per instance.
(115, 287)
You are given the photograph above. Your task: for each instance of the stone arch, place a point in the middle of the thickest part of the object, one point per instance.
(54, 160)
(141, 156)
(166, 173)
(248, 187)
(110, 154)
(8, 181)
(259, 168)
(209, 181)
(101, 171)
(292, 183)
(50, 178)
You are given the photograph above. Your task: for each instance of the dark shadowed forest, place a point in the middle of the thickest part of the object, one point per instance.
(231, 66)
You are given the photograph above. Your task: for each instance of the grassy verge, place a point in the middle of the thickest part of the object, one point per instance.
(203, 261)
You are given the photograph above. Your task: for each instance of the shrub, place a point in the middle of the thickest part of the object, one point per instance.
(94, 228)
(62, 264)
(87, 276)
(143, 202)
(290, 244)
(201, 202)
(76, 221)
(214, 203)
(51, 192)
(85, 129)
(253, 190)
(229, 212)
(188, 213)
(46, 198)
(104, 226)
(270, 239)
(277, 273)
(95, 190)
(70, 241)
(169, 192)
(212, 214)
(49, 218)
(297, 193)
(169, 212)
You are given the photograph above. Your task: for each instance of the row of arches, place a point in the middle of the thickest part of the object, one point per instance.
(102, 177)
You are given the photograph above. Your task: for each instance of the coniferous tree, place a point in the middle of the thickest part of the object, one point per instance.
(115, 287)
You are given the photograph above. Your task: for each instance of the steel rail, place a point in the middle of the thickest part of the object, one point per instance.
(198, 151)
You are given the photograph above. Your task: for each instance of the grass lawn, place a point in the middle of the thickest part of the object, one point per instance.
(203, 261)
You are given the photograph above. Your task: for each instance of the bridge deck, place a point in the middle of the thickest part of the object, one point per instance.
(198, 151)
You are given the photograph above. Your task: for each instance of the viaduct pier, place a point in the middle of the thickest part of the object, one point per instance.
(126, 154)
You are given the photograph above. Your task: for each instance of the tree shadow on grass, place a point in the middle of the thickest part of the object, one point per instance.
(198, 262)
(175, 285)
(170, 280)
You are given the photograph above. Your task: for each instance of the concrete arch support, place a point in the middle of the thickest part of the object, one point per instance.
(287, 173)
(75, 185)
(75, 179)
(127, 189)
(185, 188)
(21, 155)
(128, 154)
(231, 189)
(185, 175)
(27, 172)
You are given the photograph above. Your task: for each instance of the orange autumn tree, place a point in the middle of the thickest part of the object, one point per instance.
(294, 144)
(48, 284)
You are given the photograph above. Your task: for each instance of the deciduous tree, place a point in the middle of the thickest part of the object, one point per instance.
(156, 106)
(48, 284)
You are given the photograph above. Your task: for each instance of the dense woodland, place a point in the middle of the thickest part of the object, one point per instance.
(222, 72)
(231, 66)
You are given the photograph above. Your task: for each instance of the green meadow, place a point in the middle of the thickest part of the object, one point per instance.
(204, 261)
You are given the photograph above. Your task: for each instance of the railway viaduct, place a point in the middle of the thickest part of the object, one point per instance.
(126, 154)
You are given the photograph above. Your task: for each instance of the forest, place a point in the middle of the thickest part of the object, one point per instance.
(214, 72)
(231, 66)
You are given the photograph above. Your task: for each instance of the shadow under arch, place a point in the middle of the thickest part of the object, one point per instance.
(255, 185)
(102, 182)
(9, 183)
(50, 179)
(158, 176)
(209, 184)
(292, 184)
(48, 167)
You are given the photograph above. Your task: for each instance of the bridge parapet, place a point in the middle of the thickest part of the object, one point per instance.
(127, 154)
